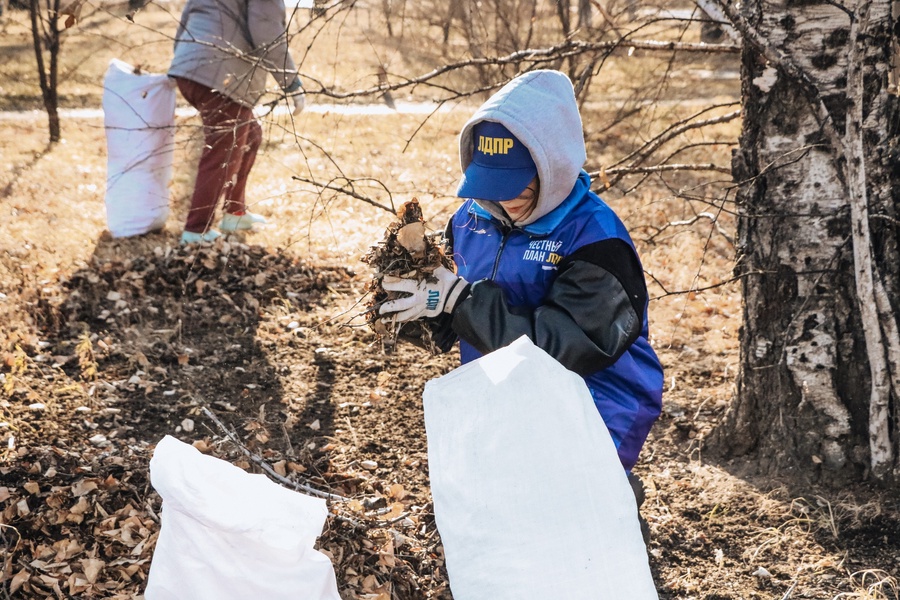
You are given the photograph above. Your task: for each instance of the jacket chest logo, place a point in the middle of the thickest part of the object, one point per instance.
(543, 251)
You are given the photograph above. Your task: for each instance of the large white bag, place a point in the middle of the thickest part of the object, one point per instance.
(231, 535)
(530, 498)
(139, 117)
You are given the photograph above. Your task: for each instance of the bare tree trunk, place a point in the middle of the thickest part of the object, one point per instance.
(585, 15)
(45, 37)
(454, 10)
(818, 230)
(386, 9)
(894, 81)
(564, 10)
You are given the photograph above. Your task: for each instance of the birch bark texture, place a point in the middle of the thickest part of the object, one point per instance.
(818, 171)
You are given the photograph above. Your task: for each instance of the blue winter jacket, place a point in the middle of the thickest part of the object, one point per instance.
(568, 277)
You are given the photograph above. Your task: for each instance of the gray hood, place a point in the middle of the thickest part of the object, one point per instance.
(539, 108)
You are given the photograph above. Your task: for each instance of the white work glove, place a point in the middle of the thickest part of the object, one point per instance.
(299, 102)
(426, 298)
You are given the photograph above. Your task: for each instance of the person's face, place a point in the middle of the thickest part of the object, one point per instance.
(521, 207)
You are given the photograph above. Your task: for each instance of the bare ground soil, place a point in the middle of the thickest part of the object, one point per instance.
(128, 349)
(107, 352)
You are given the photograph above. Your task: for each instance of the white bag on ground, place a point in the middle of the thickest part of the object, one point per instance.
(139, 117)
(231, 535)
(530, 498)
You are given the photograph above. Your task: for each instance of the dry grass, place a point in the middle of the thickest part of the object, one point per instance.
(65, 190)
(395, 157)
(871, 585)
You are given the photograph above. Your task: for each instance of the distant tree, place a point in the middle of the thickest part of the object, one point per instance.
(45, 35)
(49, 19)
(584, 13)
(819, 221)
(387, 9)
(564, 12)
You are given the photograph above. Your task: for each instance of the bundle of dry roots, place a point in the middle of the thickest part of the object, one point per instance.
(408, 250)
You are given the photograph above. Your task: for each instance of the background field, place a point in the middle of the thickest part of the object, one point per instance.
(132, 338)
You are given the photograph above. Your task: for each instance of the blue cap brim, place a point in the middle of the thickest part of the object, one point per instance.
(496, 185)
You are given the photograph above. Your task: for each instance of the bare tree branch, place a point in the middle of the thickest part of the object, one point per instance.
(661, 168)
(348, 191)
(538, 56)
(644, 152)
(713, 219)
(259, 461)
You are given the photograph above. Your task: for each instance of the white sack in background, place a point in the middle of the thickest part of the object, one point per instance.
(139, 116)
(530, 498)
(231, 535)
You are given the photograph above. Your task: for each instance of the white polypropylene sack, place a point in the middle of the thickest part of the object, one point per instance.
(530, 498)
(231, 535)
(139, 117)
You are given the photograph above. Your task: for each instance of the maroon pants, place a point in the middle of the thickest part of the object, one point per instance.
(232, 137)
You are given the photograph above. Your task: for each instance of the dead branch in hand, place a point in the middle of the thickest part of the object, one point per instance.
(407, 251)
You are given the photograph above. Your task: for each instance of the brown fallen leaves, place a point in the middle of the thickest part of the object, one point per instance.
(408, 250)
(385, 553)
(124, 350)
(70, 492)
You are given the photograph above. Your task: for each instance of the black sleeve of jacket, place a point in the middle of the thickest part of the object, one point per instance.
(592, 313)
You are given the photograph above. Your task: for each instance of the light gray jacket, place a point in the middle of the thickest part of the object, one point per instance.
(231, 45)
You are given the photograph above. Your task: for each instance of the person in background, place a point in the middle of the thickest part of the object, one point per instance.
(224, 52)
(539, 254)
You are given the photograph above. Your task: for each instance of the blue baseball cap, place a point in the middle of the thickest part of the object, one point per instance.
(501, 165)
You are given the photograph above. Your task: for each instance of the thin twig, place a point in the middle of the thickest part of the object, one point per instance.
(345, 190)
(642, 153)
(663, 168)
(699, 289)
(687, 222)
(259, 461)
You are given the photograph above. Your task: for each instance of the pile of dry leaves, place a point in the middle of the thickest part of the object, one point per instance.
(226, 347)
(408, 250)
(78, 522)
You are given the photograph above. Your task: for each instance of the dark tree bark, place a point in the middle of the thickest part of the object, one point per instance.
(819, 195)
(387, 9)
(585, 14)
(564, 10)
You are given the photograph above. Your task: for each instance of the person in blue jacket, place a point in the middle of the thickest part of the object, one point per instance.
(539, 254)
